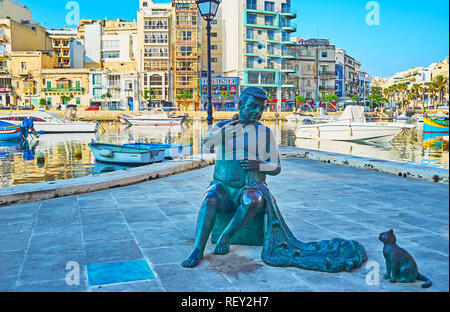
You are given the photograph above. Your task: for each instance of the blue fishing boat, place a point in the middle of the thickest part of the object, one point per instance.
(120, 154)
(171, 150)
(14, 132)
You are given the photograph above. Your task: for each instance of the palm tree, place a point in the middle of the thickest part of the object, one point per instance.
(414, 93)
(424, 91)
(441, 85)
(432, 90)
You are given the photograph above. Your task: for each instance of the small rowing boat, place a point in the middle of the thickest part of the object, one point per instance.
(121, 154)
(172, 151)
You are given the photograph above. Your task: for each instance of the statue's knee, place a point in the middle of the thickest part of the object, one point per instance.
(212, 199)
(252, 200)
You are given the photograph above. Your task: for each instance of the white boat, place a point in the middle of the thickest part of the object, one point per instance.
(352, 126)
(120, 154)
(306, 119)
(155, 117)
(48, 122)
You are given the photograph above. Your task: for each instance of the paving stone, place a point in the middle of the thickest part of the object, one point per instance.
(51, 286)
(140, 286)
(112, 251)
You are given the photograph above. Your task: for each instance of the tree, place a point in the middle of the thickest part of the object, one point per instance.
(107, 96)
(441, 84)
(355, 98)
(65, 99)
(414, 93)
(184, 94)
(329, 98)
(300, 99)
(42, 102)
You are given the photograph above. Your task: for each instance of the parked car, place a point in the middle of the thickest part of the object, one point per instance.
(93, 108)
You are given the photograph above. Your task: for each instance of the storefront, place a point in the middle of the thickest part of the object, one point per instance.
(225, 93)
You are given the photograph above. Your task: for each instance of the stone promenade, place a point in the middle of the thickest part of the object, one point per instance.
(134, 238)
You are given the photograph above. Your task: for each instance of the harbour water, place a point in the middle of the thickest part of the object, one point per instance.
(68, 156)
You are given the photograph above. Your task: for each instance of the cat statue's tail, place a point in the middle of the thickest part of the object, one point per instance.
(425, 279)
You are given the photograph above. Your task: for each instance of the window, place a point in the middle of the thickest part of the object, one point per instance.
(251, 18)
(49, 84)
(214, 47)
(250, 62)
(23, 66)
(269, 6)
(253, 78)
(97, 92)
(271, 35)
(213, 35)
(77, 84)
(324, 54)
(286, 36)
(49, 101)
(269, 20)
(97, 79)
(78, 101)
(271, 49)
(214, 60)
(110, 54)
(214, 22)
(251, 4)
(250, 33)
(250, 48)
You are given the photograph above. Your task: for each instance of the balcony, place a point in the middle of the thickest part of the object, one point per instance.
(327, 88)
(250, 40)
(3, 70)
(63, 90)
(289, 27)
(327, 74)
(289, 13)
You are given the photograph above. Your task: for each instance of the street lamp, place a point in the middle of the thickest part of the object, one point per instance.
(208, 10)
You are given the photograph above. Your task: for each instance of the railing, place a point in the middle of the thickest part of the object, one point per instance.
(153, 27)
(327, 73)
(3, 38)
(156, 55)
(62, 90)
(327, 87)
(3, 69)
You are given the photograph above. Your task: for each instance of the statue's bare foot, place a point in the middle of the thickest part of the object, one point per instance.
(193, 260)
(221, 249)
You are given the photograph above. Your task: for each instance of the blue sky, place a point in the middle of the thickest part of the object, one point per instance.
(410, 33)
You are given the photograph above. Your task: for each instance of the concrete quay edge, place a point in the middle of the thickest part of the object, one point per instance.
(43, 191)
(404, 169)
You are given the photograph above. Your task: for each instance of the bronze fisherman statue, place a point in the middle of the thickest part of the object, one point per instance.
(246, 152)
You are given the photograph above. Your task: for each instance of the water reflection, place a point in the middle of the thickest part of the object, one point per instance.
(68, 156)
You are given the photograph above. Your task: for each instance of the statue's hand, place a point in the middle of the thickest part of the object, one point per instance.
(247, 164)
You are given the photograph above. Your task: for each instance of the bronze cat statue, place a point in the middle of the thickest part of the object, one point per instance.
(400, 265)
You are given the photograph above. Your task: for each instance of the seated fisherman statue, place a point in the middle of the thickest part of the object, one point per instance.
(246, 152)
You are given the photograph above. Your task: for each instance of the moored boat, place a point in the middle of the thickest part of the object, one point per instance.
(434, 127)
(48, 122)
(15, 132)
(120, 154)
(352, 126)
(155, 117)
(171, 150)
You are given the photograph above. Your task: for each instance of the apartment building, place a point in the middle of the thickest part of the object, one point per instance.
(14, 10)
(258, 48)
(111, 49)
(217, 37)
(364, 85)
(154, 51)
(26, 69)
(18, 32)
(316, 61)
(350, 66)
(186, 54)
(64, 86)
(69, 50)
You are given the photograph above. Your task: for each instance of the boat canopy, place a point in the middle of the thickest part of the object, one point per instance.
(353, 114)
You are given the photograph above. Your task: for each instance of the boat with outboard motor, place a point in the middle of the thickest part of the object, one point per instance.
(352, 126)
(48, 122)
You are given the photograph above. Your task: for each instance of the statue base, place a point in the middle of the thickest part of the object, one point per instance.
(251, 235)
